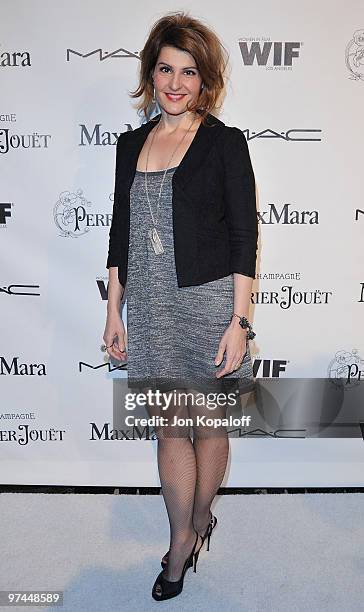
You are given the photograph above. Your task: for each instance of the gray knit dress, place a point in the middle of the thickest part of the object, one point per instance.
(173, 332)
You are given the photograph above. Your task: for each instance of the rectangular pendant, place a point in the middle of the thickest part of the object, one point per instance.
(156, 241)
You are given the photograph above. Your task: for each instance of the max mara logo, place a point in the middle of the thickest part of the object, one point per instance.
(287, 216)
(15, 368)
(14, 59)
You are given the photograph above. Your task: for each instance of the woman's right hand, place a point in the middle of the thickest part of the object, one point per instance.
(115, 336)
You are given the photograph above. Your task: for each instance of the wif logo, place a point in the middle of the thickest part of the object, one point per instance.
(103, 288)
(5, 212)
(269, 368)
(276, 55)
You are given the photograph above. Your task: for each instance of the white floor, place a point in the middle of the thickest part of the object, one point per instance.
(300, 552)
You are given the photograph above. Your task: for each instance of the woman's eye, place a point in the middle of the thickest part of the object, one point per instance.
(188, 72)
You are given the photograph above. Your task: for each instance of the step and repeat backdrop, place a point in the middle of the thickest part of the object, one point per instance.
(296, 89)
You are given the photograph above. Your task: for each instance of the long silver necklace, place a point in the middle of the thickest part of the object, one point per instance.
(152, 233)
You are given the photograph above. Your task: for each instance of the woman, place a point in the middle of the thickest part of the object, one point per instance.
(184, 237)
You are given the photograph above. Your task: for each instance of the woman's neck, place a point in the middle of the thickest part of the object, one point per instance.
(170, 124)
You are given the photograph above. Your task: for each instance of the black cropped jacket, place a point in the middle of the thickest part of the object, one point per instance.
(215, 227)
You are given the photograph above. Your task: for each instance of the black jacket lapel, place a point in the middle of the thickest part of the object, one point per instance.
(195, 154)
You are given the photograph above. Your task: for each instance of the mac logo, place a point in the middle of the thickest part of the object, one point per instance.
(103, 55)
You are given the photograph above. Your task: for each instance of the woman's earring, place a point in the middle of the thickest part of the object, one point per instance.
(153, 99)
(201, 90)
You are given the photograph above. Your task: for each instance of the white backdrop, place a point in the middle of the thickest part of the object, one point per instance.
(296, 89)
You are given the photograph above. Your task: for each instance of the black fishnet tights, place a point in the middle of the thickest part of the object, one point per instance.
(190, 474)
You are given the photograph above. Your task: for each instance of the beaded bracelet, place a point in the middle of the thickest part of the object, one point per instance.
(245, 324)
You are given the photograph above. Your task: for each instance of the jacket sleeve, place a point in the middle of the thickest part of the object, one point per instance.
(114, 257)
(240, 203)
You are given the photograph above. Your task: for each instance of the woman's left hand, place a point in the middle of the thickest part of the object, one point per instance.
(233, 342)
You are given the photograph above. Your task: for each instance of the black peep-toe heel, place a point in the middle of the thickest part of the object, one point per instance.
(211, 526)
(172, 588)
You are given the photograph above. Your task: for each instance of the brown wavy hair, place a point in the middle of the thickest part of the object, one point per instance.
(186, 33)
